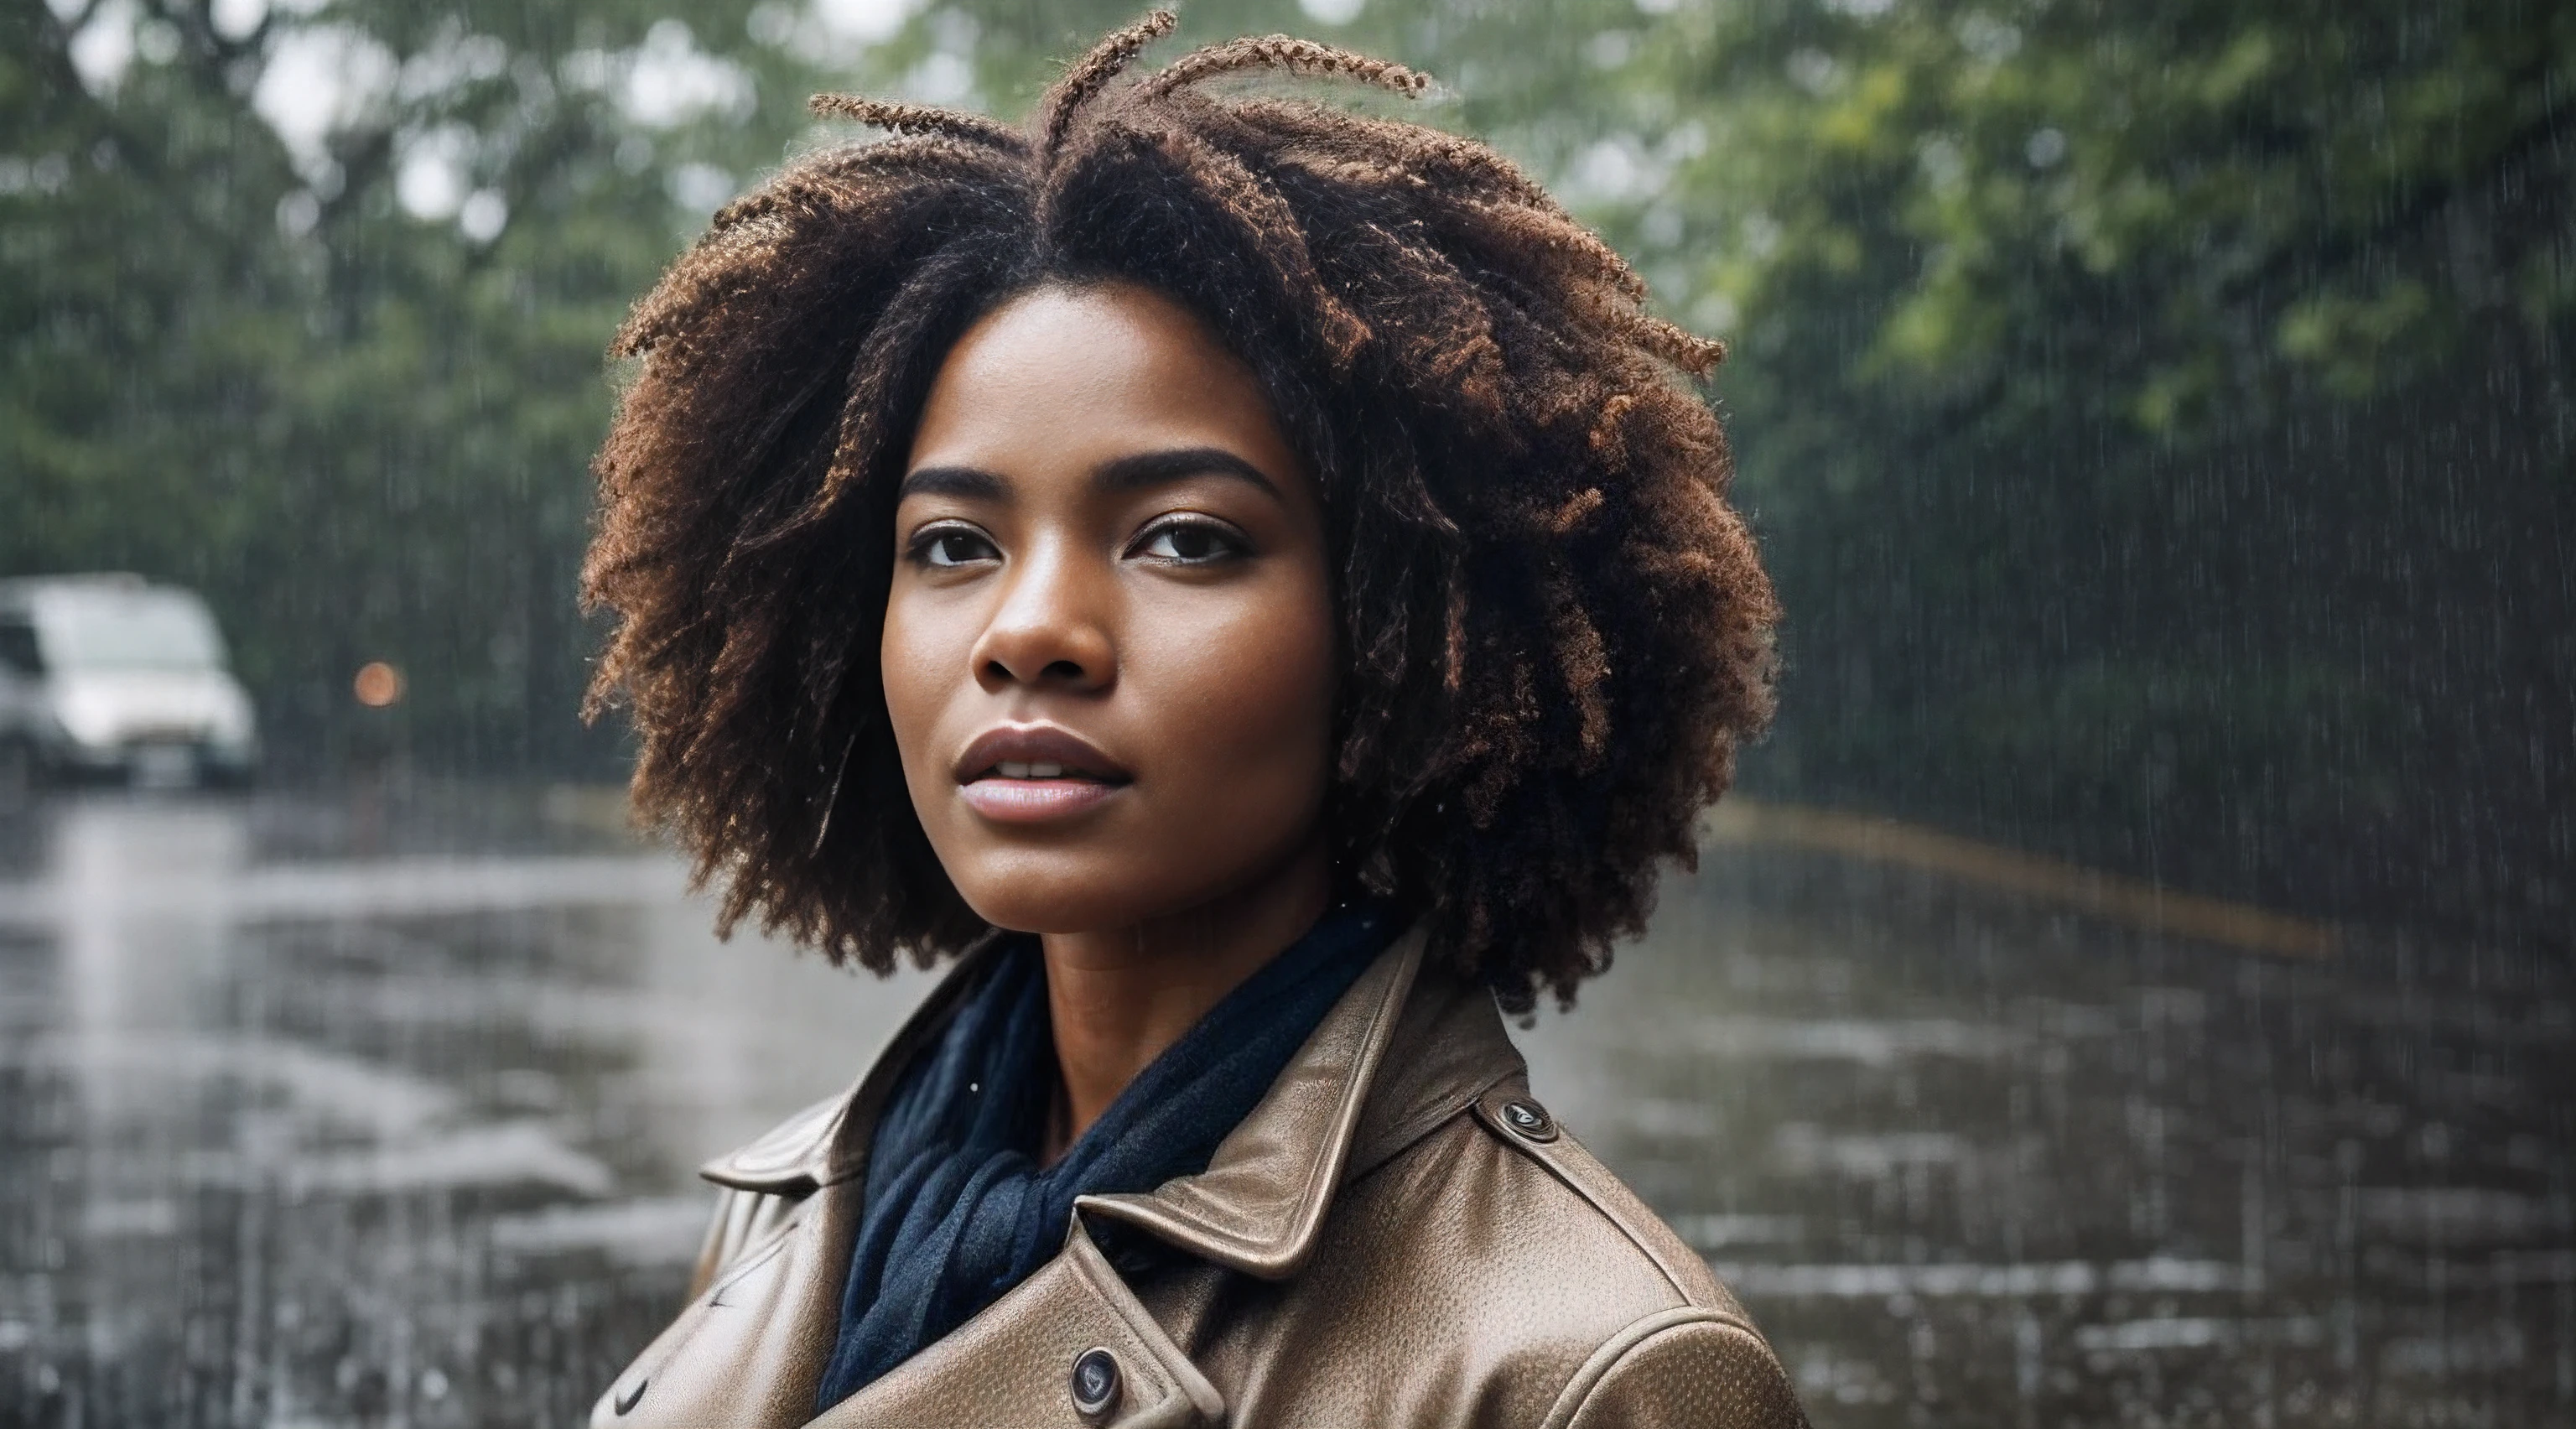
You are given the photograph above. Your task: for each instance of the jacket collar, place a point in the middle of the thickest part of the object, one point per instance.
(1260, 1205)
(1336, 1112)
(1257, 1206)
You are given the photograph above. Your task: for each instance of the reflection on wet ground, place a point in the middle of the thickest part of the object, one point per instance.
(351, 1110)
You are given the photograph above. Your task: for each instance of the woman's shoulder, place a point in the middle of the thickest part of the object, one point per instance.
(1684, 1351)
(1560, 1296)
(1557, 1183)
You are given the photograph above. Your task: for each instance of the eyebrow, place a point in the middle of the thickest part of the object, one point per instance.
(1130, 473)
(1127, 473)
(963, 482)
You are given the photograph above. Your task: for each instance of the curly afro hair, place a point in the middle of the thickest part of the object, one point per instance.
(1556, 631)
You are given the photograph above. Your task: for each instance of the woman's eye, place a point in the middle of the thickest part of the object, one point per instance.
(954, 548)
(1190, 542)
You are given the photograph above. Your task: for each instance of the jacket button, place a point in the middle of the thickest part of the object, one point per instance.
(1529, 1119)
(1095, 1383)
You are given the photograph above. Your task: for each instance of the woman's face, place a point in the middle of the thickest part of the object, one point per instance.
(1109, 654)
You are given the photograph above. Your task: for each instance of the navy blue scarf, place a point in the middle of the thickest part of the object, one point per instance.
(958, 1210)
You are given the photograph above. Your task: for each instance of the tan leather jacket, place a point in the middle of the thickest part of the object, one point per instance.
(1396, 1236)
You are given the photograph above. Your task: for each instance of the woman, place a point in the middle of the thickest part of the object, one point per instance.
(1246, 582)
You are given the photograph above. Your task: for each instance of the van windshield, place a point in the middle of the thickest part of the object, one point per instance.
(140, 631)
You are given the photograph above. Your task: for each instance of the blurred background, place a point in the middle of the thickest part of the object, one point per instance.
(2156, 904)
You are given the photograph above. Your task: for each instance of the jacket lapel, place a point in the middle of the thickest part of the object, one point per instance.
(1262, 1199)
(1015, 1363)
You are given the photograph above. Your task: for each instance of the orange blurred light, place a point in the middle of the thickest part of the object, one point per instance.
(378, 684)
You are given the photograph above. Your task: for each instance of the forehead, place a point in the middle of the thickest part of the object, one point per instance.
(1073, 375)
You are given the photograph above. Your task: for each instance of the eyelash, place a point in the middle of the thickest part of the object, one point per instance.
(1231, 544)
(927, 541)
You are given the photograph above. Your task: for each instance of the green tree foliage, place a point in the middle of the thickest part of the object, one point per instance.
(2158, 415)
(2162, 413)
(305, 306)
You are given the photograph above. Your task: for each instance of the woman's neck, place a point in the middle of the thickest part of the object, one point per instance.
(1119, 997)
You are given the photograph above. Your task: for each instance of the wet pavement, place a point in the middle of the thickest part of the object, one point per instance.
(366, 1110)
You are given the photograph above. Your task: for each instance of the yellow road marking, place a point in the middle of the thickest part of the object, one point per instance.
(2088, 890)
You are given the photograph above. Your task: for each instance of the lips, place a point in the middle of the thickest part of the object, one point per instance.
(1035, 773)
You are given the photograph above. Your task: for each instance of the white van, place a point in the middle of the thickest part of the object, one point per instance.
(113, 676)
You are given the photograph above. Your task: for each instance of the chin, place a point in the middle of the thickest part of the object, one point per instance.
(1064, 893)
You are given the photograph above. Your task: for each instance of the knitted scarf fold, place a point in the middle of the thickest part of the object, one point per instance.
(958, 1210)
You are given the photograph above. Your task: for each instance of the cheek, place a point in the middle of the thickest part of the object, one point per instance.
(1247, 698)
(919, 667)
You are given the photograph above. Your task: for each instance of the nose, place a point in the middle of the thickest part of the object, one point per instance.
(1052, 627)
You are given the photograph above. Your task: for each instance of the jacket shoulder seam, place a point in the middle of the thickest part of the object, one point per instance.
(1619, 1348)
(1485, 1114)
